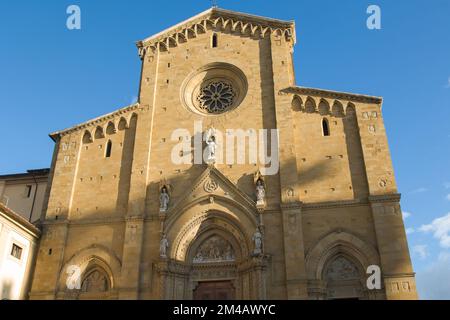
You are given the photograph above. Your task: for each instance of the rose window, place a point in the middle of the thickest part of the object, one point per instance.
(214, 89)
(216, 97)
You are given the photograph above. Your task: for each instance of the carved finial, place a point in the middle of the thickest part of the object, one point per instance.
(258, 176)
(214, 3)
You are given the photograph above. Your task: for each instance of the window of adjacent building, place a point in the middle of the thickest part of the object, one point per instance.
(28, 191)
(325, 128)
(108, 149)
(214, 40)
(16, 251)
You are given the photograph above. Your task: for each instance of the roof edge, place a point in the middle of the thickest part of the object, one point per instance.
(354, 97)
(131, 107)
(20, 221)
(216, 12)
(37, 173)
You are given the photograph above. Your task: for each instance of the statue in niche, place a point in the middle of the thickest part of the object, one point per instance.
(260, 192)
(257, 239)
(211, 146)
(164, 199)
(163, 245)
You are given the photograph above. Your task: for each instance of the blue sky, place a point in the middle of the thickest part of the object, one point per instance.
(52, 78)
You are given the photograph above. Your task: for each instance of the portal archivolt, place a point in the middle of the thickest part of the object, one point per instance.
(203, 227)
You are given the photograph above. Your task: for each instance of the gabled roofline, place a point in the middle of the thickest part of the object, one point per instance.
(333, 94)
(212, 16)
(99, 119)
(177, 26)
(217, 12)
(210, 169)
(36, 173)
(19, 221)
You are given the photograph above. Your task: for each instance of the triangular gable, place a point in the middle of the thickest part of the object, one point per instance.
(246, 24)
(213, 183)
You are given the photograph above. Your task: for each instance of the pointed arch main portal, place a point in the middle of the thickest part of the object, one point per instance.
(210, 234)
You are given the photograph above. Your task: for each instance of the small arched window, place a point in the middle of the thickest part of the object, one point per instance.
(87, 137)
(110, 129)
(108, 149)
(99, 133)
(214, 40)
(122, 124)
(325, 127)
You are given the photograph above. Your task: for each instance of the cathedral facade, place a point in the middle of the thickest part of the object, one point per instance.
(225, 181)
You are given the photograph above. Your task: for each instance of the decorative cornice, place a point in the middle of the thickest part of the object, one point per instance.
(86, 221)
(291, 205)
(394, 197)
(95, 121)
(399, 275)
(215, 18)
(332, 94)
(333, 204)
(139, 218)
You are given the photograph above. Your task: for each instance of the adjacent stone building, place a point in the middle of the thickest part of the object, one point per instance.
(147, 203)
(18, 246)
(24, 193)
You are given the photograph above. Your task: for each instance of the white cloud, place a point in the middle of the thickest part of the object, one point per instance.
(444, 256)
(448, 197)
(432, 283)
(447, 185)
(406, 215)
(419, 190)
(410, 230)
(440, 228)
(420, 250)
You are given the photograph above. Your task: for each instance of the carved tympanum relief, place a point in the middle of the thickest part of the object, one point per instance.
(341, 269)
(214, 249)
(96, 281)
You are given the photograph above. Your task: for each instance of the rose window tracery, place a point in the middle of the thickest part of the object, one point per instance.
(216, 97)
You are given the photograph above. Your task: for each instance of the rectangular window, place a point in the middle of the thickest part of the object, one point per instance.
(16, 251)
(28, 190)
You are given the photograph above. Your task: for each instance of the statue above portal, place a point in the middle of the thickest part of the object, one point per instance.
(163, 246)
(258, 241)
(211, 146)
(164, 199)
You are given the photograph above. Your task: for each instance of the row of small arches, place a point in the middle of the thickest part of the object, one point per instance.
(322, 106)
(109, 129)
(231, 25)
